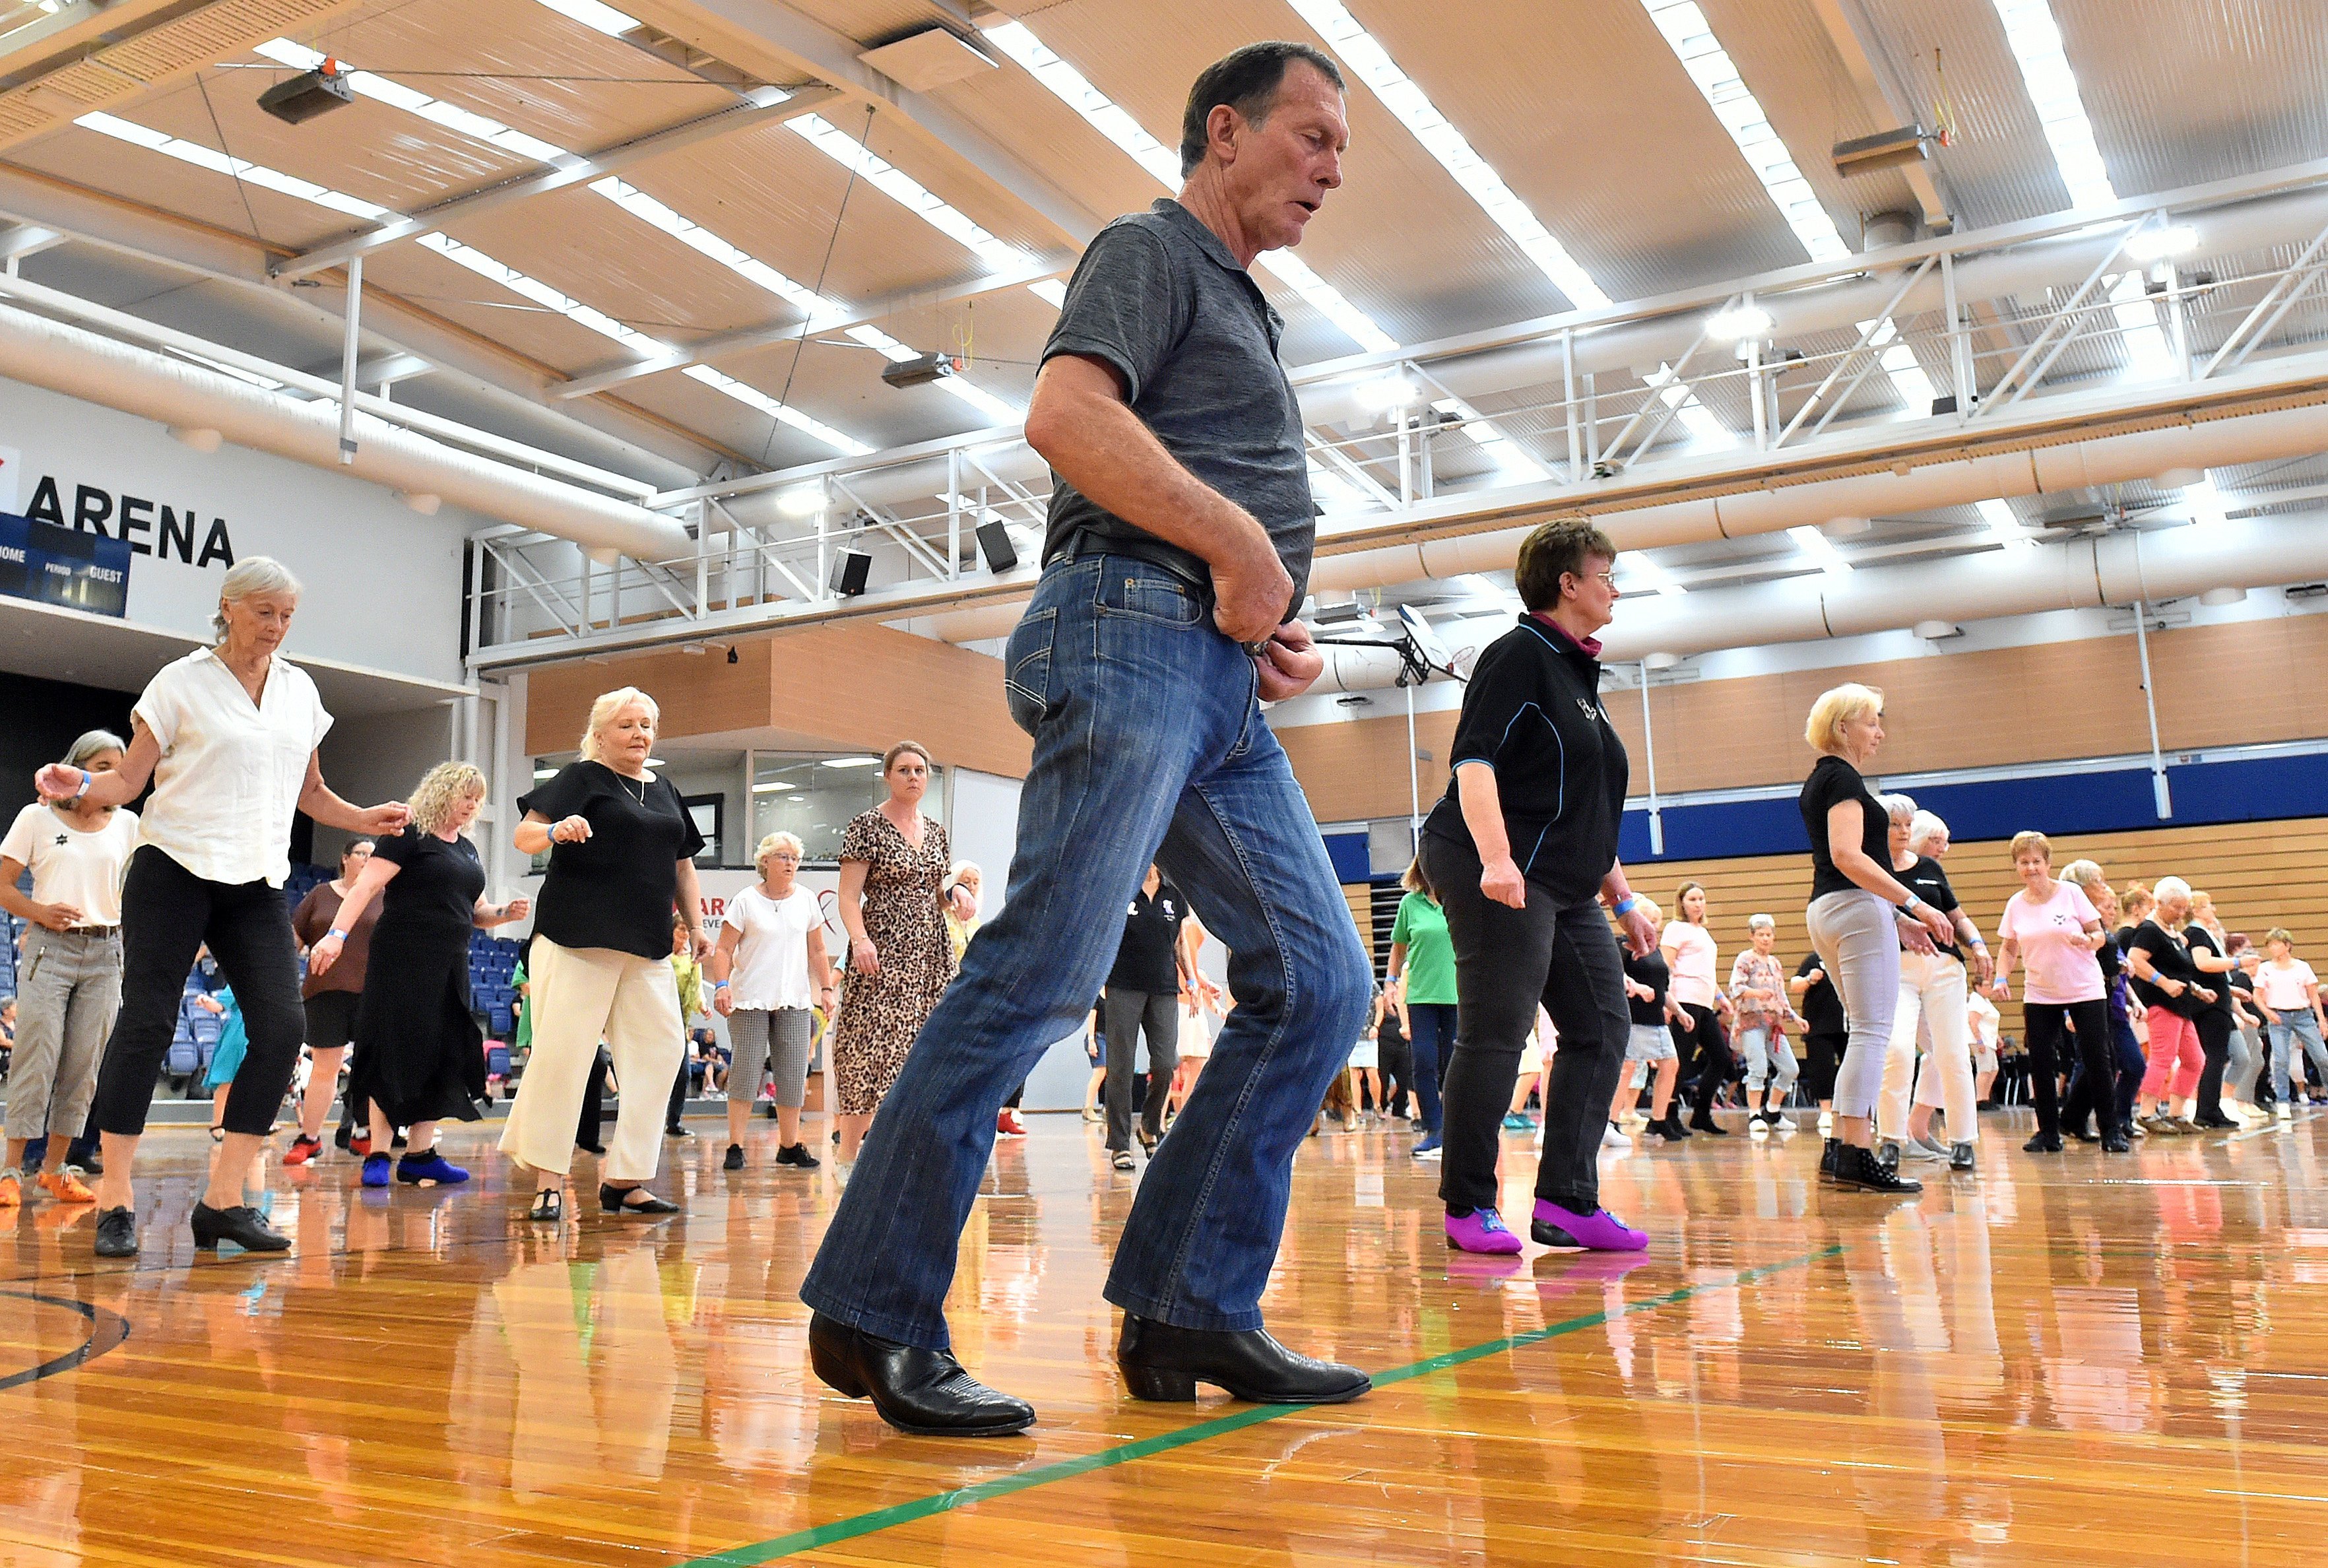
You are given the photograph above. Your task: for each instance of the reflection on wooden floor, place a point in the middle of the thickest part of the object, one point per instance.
(2072, 1359)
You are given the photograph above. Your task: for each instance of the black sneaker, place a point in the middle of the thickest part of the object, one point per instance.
(735, 1160)
(796, 1154)
(2043, 1143)
(673, 1130)
(116, 1233)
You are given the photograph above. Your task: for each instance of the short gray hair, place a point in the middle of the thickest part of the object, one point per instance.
(1898, 806)
(1757, 921)
(2171, 890)
(92, 743)
(253, 574)
(1926, 826)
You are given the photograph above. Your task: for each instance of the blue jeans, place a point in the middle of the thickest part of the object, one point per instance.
(1431, 1029)
(1149, 745)
(2303, 1025)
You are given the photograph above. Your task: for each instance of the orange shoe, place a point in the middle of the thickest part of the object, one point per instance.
(12, 1190)
(66, 1186)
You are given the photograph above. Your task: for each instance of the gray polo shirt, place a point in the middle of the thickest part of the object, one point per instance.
(1158, 296)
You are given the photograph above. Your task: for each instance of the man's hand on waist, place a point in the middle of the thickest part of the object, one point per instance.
(1252, 592)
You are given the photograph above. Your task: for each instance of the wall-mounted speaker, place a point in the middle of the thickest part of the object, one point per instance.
(994, 544)
(851, 568)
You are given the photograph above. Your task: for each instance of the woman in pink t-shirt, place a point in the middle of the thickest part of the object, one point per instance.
(2289, 993)
(1690, 953)
(2054, 929)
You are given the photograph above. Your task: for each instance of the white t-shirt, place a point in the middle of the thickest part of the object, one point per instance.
(772, 948)
(72, 865)
(1984, 1018)
(1690, 954)
(230, 773)
(2281, 990)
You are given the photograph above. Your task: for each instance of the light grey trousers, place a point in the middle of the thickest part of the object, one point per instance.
(67, 992)
(1858, 936)
(771, 1044)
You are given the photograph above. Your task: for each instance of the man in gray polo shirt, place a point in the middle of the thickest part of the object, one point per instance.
(1178, 552)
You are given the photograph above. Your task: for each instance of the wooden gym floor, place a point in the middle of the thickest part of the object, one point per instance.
(2068, 1360)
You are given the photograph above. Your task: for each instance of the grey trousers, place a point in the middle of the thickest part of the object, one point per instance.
(1128, 1014)
(771, 1046)
(67, 992)
(1857, 937)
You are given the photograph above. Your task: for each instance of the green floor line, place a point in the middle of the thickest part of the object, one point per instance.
(880, 1519)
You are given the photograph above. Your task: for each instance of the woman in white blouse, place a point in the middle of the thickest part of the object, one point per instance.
(228, 736)
(771, 951)
(70, 982)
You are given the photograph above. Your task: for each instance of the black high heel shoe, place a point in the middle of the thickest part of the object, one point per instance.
(617, 1200)
(242, 1224)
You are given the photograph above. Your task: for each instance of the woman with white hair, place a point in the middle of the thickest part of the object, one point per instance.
(2170, 986)
(69, 981)
(768, 973)
(621, 856)
(228, 737)
(1857, 913)
(2087, 1094)
(420, 1058)
(1932, 993)
(2054, 929)
(1758, 991)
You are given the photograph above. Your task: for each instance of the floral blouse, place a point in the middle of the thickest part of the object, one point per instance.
(1758, 990)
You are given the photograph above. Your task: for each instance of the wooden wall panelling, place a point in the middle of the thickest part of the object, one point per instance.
(698, 693)
(1356, 770)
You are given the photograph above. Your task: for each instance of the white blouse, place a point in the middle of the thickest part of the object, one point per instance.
(772, 953)
(231, 770)
(72, 864)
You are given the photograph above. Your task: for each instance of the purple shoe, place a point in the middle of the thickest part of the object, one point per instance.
(1480, 1231)
(1566, 1231)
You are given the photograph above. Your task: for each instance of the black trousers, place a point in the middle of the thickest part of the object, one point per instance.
(1507, 962)
(594, 1104)
(1397, 1067)
(1715, 1065)
(1131, 1014)
(2046, 1023)
(2078, 1108)
(1821, 1057)
(2215, 1027)
(167, 914)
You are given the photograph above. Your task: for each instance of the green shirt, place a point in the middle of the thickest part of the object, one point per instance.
(1430, 956)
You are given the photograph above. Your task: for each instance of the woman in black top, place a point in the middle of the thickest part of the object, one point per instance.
(1825, 1033)
(1523, 852)
(2217, 1023)
(2166, 983)
(1860, 914)
(420, 1056)
(1648, 983)
(2086, 1095)
(621, 856)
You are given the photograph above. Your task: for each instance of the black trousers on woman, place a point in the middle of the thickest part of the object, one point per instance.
(2046, 1024)
(1507, 962)
(2215, 1027)
(167, 914)
(1715, 1065)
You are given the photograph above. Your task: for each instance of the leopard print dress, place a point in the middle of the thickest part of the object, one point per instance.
(880, 1014)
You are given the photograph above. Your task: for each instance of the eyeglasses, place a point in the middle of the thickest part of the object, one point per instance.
(1608, 576)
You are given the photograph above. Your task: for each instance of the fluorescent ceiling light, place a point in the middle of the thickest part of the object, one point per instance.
(1069, 85)
(1385, 392)
(772, 786)
(1372, 65)
(1741, 323)
(1653, 578)
(2205, 502)
(701, 241)
(1051, 291)
(2035, 40)
(1709, 65)
(2159, 244)
(783, 413)
(605, 19)
(1695, 417)
(800, 503)
(851, 762)
(891, 180)
(396, 95)
(218, 163)
(1819, 547)
(542, 773)
(2002, 525)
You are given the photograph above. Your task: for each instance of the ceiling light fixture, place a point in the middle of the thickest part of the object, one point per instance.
(1650, 575)
(1384, 393)
(851, 762)
(895, 182)
(2161, 244)
(1819, 547)
(218, 163)
(2035, 40)
(800, 503)
(599, 18)
(1741, 323)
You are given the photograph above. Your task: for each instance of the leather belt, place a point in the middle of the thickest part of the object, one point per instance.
(1084, 544)
(90, 931)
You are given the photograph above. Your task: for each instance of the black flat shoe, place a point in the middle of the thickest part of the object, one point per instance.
(1162, 1362)
(923, 1392)
(2043, 1143)
(116, 1233)
(735, 1160)
(549, 1207)
(1830, 1160)
(242, 1224)
(633, 1200)
(1703, 1123)
(598, 1149)
(2117, 1144)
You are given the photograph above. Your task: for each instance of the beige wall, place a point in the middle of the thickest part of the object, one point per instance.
(859, 687)
(2217, 685)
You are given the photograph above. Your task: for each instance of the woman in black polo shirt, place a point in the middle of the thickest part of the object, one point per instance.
(622, 855)
(1523, 851)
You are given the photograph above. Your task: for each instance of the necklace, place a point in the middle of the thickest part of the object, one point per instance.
(642, 788)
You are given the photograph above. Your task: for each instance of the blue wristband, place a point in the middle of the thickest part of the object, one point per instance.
(718, 985)
(1625, 906)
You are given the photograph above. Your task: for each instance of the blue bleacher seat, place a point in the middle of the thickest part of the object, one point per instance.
(501, 1017)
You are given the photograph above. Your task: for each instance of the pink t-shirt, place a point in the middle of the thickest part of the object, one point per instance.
(2052, 937)
(1689, 953)
(2282, 990)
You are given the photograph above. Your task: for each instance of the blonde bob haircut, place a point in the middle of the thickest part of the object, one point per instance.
(603, 711)
(771, 844)
(1833, 709)
(2086, 874)
(2030, 839)
(441, 789)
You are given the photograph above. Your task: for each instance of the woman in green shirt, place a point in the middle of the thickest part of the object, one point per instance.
(1423, 988)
